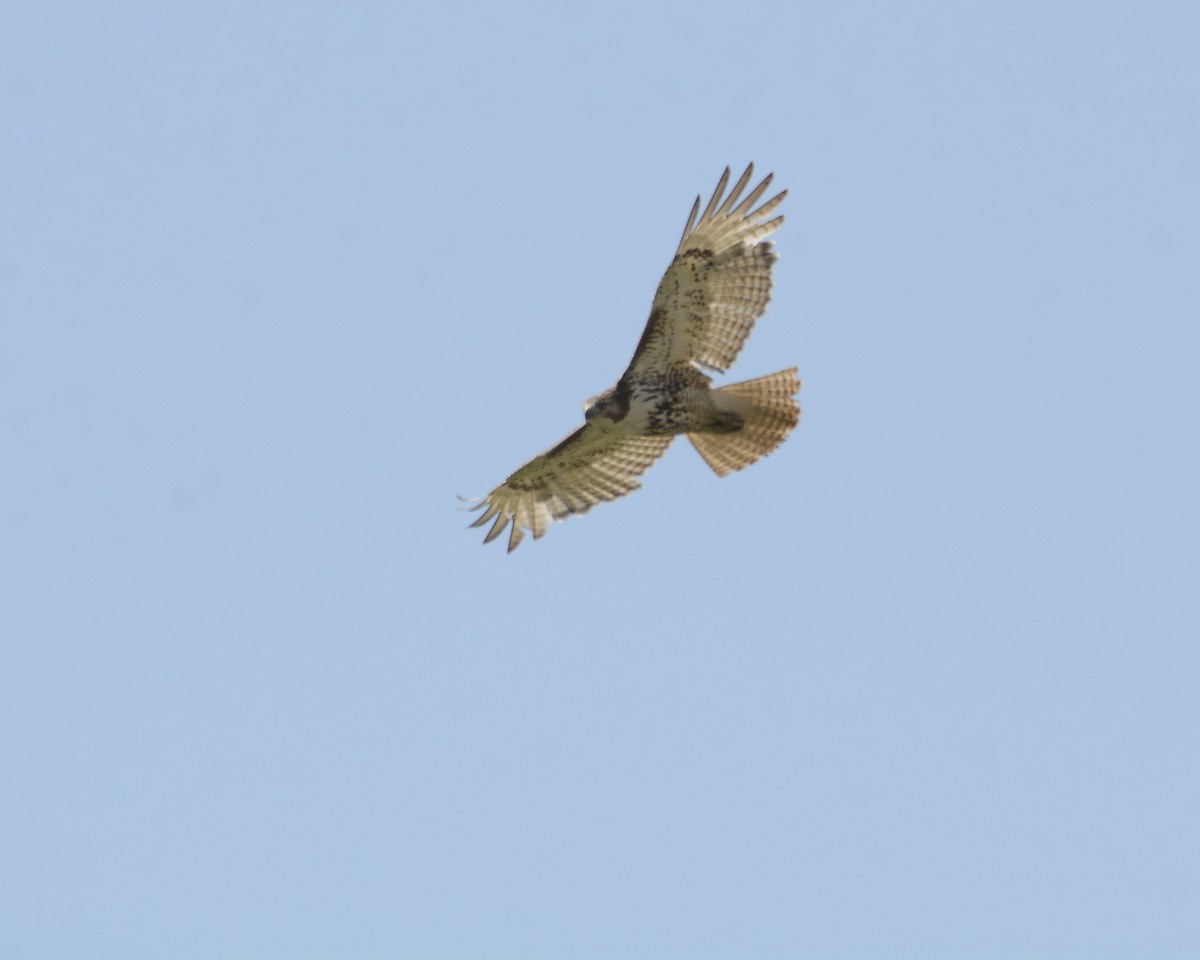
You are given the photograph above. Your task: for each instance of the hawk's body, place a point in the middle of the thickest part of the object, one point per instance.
(713, 291)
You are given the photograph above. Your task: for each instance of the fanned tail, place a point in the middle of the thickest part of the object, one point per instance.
(768, 413)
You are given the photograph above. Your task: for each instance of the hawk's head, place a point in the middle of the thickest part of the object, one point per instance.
(611, 406)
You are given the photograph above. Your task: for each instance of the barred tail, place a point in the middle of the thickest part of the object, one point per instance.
(768, 415)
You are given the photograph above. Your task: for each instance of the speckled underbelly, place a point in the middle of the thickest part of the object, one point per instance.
(667, 407)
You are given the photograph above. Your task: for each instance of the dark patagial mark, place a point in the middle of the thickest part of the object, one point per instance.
(650, 334)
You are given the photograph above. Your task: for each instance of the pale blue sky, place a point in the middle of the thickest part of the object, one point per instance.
(278, 281)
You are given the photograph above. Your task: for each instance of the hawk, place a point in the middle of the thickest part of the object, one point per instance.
(713, 291)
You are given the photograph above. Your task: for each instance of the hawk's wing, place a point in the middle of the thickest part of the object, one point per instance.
(588, 467)
(717, 285)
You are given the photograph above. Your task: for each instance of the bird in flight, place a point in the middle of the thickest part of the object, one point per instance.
(716, 287)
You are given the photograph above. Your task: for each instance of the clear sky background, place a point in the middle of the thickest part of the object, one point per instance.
(278, 281)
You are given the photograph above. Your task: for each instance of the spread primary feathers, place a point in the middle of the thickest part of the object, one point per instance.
(716, 287)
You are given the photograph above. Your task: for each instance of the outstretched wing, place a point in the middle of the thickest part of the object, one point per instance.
(717, 285)
(588, 467)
